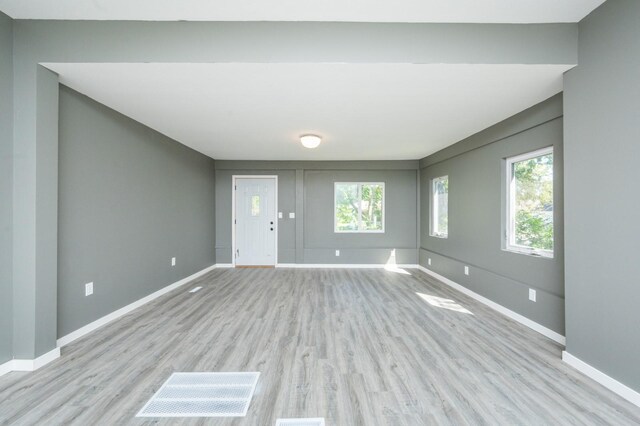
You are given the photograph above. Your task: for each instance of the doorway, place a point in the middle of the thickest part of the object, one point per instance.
(254, 227)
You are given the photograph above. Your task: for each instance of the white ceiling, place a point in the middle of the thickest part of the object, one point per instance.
(362, 111)
(493, 11)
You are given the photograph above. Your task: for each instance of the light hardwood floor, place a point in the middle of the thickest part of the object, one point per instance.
(358, 347)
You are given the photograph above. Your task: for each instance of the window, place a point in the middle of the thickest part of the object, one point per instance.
(359, 207)
(439, 217)
(255, 205)
(529, 220)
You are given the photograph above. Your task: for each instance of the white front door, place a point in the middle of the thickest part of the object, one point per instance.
(255, 221)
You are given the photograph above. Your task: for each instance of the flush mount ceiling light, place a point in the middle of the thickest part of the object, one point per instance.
(310, 141)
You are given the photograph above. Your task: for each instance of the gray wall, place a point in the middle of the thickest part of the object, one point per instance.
(476, 200)
(35, 197)
(38, 41)
(129, 200)
(44, 326)
(320, 241)
(306, 188)
(6, 186)
(602, 145)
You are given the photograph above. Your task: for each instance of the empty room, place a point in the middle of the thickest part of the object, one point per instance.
(320, 213)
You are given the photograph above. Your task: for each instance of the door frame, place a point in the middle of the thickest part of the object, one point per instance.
(234, 178)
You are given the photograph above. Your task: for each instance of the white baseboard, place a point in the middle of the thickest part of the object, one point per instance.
(7, 367)
(224, 265)
(34, 364)
(65, 340)
(606, 381)
(29, 364)
(344, 265)
(505, 311)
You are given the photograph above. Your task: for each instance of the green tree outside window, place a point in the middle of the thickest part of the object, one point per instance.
(533, 202)
(359, 207)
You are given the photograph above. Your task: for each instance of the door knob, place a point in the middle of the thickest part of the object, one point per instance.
(272, 229)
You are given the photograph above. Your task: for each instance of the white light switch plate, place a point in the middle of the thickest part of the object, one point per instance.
(88, 289)
(532, 295)
(337, 252)
(466, 270)
(173, 261)
(429, 261)
(279, 215)
(292, 215)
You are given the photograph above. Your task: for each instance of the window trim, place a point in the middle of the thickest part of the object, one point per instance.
(510, 222)
(335, 205)
(432, 207)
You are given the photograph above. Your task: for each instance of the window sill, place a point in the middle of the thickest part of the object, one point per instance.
(358, 232)
(442, 237)
(531, 253)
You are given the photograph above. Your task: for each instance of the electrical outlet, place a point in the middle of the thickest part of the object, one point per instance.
(173, 261)
(532, 295)
(292, 215)
(279, 215)
(337, 252)
(429, 261)
(88, 289)
(466, 270)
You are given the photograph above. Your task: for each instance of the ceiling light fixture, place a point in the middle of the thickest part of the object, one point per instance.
(310, 141)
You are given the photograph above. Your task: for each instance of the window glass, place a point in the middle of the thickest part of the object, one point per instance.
(359, 207)
(255, 205)
(371, 207)
(530, 203)
(440, 207)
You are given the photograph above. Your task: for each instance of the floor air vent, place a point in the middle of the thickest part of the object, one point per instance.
(300, 422)
(202, 395)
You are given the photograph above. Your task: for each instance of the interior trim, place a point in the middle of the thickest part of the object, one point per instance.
(234, 187)
(29, 364)
(557, 337)
(607, 381)
(343, 265)
(65, 340)
(7, 367)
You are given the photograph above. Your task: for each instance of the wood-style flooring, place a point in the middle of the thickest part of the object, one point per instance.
(356, 346)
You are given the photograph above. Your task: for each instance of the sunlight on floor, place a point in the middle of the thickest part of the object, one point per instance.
(392, 266)
(440, 302)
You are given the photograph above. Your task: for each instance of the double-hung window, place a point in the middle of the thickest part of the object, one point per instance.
(529, 202)
(359, 207)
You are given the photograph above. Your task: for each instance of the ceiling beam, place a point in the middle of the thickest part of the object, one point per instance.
(295, 42)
